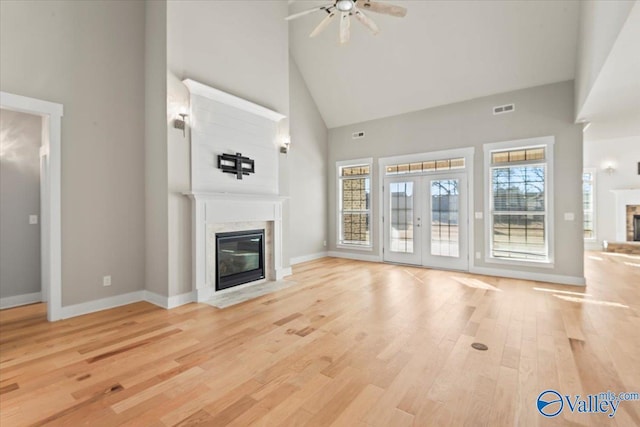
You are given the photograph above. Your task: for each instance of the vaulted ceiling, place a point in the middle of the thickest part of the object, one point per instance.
(441, 52)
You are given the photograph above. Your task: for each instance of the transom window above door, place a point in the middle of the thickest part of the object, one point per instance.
(428, 166)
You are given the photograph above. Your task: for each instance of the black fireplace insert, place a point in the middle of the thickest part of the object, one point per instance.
(636, 228)
(239, 258)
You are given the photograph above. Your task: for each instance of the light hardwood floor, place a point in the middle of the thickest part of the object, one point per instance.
(353, 344)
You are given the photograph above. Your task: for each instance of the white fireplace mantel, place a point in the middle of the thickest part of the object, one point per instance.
(221, 123)
(227, 208)
(624, 198)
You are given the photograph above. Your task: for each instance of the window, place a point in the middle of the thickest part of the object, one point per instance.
(430, 166)
(588, 206)
(518, 200)
(354, 201)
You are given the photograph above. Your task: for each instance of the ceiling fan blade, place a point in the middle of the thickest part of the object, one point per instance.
(323, 24)
(345, 28)
(386, 8)
(367, 22)
(305, 12)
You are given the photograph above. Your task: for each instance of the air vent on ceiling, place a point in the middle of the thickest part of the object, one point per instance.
(501, 109)
(357, 135)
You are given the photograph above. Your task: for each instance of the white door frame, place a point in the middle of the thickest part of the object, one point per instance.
(467, 153)
(51, 234)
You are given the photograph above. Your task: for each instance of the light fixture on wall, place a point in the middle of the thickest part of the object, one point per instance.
(610, 169)
(181, 123)
(285, 144)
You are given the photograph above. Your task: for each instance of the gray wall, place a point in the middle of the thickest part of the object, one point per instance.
(155, 142)
(623, 154)
(88, 56)
(308, 169)
(20, 140)
(540, 111)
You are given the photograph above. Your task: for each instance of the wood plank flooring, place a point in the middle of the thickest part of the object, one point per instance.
(353, 344)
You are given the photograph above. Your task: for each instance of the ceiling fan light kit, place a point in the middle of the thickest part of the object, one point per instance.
(348, 8)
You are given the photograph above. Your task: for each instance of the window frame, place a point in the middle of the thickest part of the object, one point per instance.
(593, 181)
(548, 143)
(339, 211)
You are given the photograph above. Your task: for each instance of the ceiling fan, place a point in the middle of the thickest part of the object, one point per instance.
(347, 8)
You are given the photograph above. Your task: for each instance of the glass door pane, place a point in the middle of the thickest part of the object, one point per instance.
(401, 220)
(445, 230)
(401, 215)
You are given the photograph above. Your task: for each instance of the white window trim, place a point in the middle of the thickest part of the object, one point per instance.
(548, 142)
(346, 163)
(593, 172)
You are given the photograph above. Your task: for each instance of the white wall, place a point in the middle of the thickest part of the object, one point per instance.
(88, 56)
(600, 24)
(540, 111)
(240, 47)
(623, 154)
(20, 140)
(308, 168)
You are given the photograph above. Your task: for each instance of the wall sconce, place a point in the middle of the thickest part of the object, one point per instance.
(610, 169)
(285, 144)
(181, 123)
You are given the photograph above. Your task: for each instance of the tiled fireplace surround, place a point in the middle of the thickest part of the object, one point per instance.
(222, 212)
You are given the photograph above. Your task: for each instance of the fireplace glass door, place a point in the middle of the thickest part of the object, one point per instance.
(239, 258)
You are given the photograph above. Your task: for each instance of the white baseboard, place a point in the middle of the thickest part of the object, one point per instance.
(283, 272)
(156, 299)
(203, 294)
(357, 257)
(101, 304)
(18, 300)
(593, 246)
(182, 299)
(310, 257)
(286, 271)
(525, 275)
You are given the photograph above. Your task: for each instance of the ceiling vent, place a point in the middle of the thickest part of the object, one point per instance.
(501, 109)
(357, 135)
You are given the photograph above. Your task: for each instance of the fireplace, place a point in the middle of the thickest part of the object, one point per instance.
(239, 258)
(633, 223)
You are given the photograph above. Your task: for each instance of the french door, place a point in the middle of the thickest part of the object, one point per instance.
(425, 220)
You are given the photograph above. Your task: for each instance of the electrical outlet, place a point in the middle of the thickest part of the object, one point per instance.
(33, 219)
(106, 281)
(478, 215)
(478, 255)
(569, 216)
(324, 243)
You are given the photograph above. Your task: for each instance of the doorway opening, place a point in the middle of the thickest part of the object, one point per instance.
(50, 116)
(20, 175)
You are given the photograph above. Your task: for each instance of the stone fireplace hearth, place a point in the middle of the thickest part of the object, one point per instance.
(633, 223)
(626, 207)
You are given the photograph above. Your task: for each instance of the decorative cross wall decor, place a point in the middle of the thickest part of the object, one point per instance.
(236, 164)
